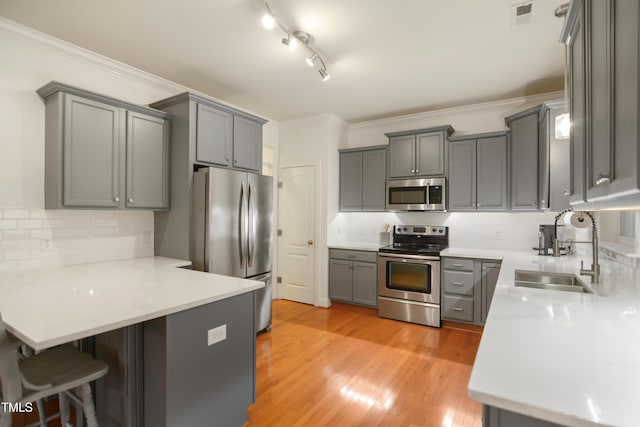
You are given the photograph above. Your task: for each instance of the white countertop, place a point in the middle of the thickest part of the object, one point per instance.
(52, 306)
(565, 357)
(356, 246)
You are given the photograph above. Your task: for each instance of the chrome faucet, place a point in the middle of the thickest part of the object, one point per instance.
(594, 273)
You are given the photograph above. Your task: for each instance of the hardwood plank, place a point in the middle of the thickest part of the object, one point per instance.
(346, 366)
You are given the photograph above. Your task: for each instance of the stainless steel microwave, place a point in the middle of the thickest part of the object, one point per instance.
(422, 194)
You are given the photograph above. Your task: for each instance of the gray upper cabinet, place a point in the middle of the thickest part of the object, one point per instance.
(91, 150)
(478, 172)
(103, 153)
(603, 41)
(223, 136)
(247, 144)
(214, 135)
(554, 180)
(147, 162)
(418, 153)
(362, 179)
(525, 163)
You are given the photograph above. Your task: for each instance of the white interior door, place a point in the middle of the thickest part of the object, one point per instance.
(296, 246)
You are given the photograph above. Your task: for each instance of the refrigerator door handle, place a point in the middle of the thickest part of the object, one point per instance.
(250, 227)
(241, 225)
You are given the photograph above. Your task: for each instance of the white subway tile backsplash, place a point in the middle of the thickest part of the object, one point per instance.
(15, 213)
(73, 237)
(8, 224)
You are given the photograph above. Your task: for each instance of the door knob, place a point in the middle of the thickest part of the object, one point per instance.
(309, 242)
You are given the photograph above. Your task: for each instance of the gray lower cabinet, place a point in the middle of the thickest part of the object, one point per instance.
(363, 179)
(353, 277)
(478, 172)
(497, 417)
(103, 153)
(467, 288)
(603, 42)
(418, 153)
(190, 383)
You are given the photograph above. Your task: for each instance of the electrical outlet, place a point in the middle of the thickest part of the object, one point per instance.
(46, 245)
(497, 235)
(216, 335)
(146, 237)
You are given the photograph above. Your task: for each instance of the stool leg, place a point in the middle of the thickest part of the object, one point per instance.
(63, 403)
(5, 419)
(42, 414)
(87, 405)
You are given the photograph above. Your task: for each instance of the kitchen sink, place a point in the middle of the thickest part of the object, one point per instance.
(554, 281)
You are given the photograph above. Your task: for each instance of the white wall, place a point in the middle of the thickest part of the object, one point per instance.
(315, 141)
(31, 237)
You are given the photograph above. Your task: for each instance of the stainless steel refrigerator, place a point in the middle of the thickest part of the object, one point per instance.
(232, 226)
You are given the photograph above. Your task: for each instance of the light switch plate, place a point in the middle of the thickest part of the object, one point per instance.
(216, 335)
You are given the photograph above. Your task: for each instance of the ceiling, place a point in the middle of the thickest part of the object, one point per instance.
(386, 58)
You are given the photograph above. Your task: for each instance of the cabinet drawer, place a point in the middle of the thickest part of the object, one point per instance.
(458, 308)
(457, 264)
(458, 282)
(365, 256)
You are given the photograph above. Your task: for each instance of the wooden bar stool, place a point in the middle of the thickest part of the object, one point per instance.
(57, 370)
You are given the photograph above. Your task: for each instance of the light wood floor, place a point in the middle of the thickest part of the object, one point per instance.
(347, 367)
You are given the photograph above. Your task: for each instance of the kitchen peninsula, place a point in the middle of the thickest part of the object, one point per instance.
(191, 375)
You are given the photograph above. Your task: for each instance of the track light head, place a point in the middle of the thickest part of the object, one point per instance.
(290, 42)
(312, 59)
(268, 21)
(323, 73)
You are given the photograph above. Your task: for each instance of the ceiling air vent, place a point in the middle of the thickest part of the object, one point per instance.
(521, 13)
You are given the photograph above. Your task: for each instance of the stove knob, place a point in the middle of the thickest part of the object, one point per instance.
(433, 230)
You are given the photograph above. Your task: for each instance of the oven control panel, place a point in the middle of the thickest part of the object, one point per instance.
(420, 230)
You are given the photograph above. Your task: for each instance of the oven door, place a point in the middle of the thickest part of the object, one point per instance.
(409, 277)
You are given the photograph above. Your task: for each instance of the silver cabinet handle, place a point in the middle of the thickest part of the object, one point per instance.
(457, 265)
(116, 199)
(413, 171)
(542, 202)
(603, 179)
(567, 193)
(457, 283)
(417, 170)
(456, 309)
(130, 199)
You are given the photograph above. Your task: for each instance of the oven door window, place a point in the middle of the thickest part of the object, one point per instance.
(407, 195)
(406, 276)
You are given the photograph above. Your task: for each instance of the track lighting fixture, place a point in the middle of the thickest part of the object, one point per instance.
(290, 42)
(312, 59)
(293, 38)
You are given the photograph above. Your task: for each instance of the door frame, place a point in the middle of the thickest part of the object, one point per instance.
(320, 241)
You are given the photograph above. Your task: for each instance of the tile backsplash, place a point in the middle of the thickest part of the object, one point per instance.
(36, 238)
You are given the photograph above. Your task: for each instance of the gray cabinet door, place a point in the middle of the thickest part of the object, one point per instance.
(214, 135)
(524, 163)
(430, 154)
(351, 181)
(577, 109)
(341, 280)
(402, 152)
(559, 166)
(491, 177)
(92, 153)
(599, 93)
(374, 177)
(490, 272)
(147, 161)
(247, 144)
(365, 289)
(462, 175)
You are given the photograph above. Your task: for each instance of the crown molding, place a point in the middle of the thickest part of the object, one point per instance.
(29, 35)
(510, 102)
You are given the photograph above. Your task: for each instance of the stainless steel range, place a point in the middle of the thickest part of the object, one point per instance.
(409, 274)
